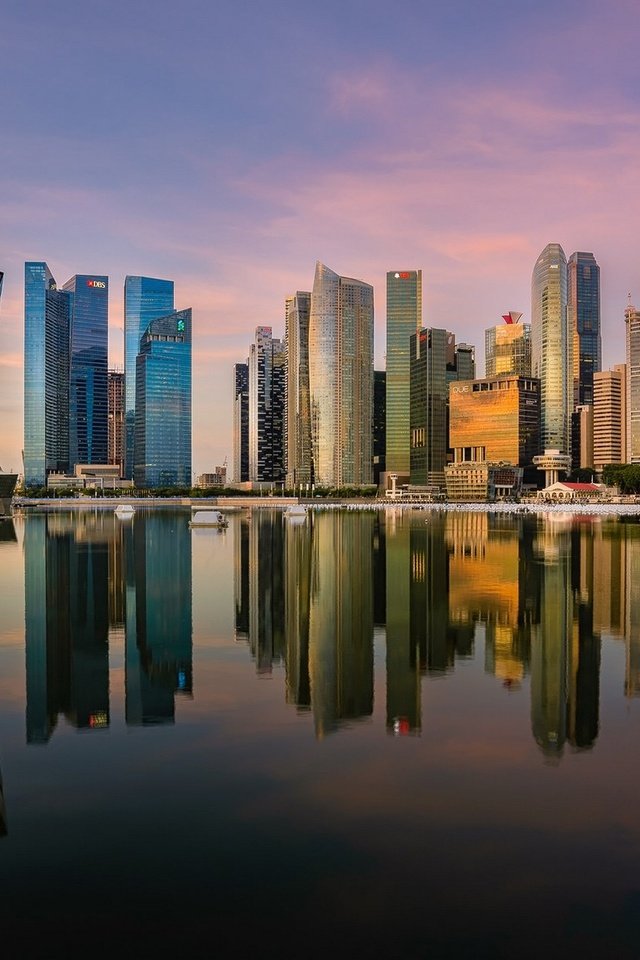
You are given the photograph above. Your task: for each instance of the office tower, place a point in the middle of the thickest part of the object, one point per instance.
(551, 348)
(47, 317)
(298, 410)
(404, 318)
(583, 311)
(582, 437)
(240, 422)
(507, 347)
(145, 299)
(461, 360)
(163, 403)
(267, 367)
(428, 406)
(115, 389)
(632, 320)
(88, 344)
(379, 424)
(341, 378)
(497, 417)
(609, 417)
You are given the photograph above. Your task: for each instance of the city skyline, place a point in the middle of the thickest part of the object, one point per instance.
(397, 159)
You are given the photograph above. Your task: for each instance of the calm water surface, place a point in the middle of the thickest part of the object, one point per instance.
(394, 734)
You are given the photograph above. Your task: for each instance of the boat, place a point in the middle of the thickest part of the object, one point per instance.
(209, 518)
(124, 511)
(297, 512)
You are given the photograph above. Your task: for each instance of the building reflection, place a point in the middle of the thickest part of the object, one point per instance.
(89, 578)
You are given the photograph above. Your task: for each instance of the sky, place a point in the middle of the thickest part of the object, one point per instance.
(230, 144)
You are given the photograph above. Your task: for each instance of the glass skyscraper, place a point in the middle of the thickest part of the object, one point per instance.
(507, 347)
(298, 411)
(145, 299)
(404, 319)
(88, 345)
(551, 348)
(429, 405)
(47, 314)
(583, 307)
(163, 403)
(266, 367)
(241, 422)
(341, 379)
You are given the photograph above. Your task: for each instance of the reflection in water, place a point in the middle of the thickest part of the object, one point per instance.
(7, 530)
(88, 576)
(543, 592)
(533, 598)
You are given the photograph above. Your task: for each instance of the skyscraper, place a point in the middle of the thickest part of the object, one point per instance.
(298, 411)
(507, 347)
(46, 375)
(115, 386)
(145, 299)
(241, 422)
(341, 378)
(583, 310)
(267, 365)
(88, 341)
(610, 416)
(551, 348)
(163, 403)
(632, 319)
(429, 402)
(404, 318)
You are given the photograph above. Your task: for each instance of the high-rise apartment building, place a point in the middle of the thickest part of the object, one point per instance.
(507, 347)
(610, 416)
(88, 342)
(404, 319)
(163, 403)
(145, 299)
(115, 391)
(428, 406)
(241, 422)
(298, 408)
(267, 367)
(65, 372)
(632, 320)
(583, 311)
(341, 378)
(551, 347)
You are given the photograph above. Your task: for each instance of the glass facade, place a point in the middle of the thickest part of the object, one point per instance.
(298, 411)
(47, 318)
(428, 406)
(551, 348)
(145, 299)
(507, 349)
(88, 403)
(163, 403)
(583, 307)
(341, 379)
(404, 318)
(241, 422)
(267, 369)
(632, 318)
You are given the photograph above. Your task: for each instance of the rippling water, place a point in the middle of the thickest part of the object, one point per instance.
(365, 734)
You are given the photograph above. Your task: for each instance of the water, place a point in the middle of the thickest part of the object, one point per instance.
(394, 734)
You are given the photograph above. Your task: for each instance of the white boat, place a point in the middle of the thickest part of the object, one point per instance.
(124, 511)
(209, 518)
(296, 512)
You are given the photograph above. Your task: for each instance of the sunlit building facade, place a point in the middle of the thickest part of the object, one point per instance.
(609, 416)
(163, 403)
(341, 379)
(551, 348)
(145, 299)
(298, 409)
(404, 319)
(583, 309)
(507, 347)
(115, 390)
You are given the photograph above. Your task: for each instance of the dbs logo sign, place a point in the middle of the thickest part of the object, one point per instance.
(98, 284)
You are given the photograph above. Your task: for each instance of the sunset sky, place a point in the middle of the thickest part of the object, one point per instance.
(229, 145)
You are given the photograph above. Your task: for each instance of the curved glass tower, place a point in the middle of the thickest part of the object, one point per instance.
(551, 348)
(341, 379)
